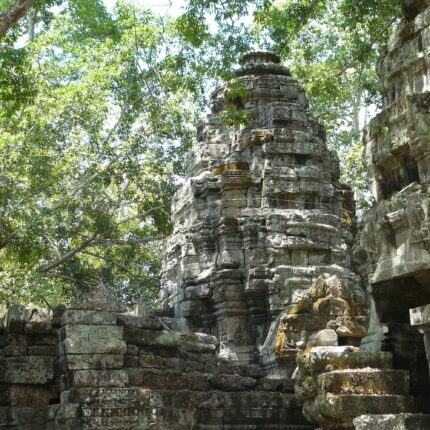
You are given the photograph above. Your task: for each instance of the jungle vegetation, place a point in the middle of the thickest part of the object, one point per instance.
(98, 107)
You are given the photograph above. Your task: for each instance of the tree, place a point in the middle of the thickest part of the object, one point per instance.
(97, 111)
(12, 15)
(92, 142)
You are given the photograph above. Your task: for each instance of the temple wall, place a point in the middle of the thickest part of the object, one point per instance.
(392, 249)
(90, 366)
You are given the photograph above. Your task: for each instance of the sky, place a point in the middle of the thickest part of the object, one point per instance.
(173, 8)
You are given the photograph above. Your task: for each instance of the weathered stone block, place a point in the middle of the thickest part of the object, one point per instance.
(91, 361)
(39, 327)
(62, 411)
(75, 395)
(232, 382)
(93, 339)
(14, 350)
(13, 417)
(131, 361)
(392, 422)
(138, 336)
(149, 360)
(365, 381)
(47, 351)
(30, 395)
(99, 378)
(420, 316)
(327, 358)
(89, 316)
(344, 408)
(197, 381)
(42, 340)
(152, 323)
(136, 376)
(27, 370)
(164, 382)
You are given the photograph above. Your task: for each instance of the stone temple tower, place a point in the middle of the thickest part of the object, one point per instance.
(259, 218)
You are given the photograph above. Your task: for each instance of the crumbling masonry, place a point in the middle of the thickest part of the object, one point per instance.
(273, 317)
(259, 218)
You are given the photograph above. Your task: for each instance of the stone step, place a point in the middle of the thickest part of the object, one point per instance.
(365, 381)
(256, 427)
(328, 358)
(344, 408)
(393, 422)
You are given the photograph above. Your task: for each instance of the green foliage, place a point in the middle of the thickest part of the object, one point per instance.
(209, 376)
(331, 48)
(97, 112)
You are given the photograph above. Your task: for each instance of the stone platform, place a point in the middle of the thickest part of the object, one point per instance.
(93, 367)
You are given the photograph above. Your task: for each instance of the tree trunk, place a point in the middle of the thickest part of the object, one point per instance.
(14, 14)
(31, 25)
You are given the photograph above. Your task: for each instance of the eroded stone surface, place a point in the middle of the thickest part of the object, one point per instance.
(393, 422)
(259, 218)
(392, 249)
(420, 316)
(27, 370)
(337, 385)
(326, 316)
(131, 372)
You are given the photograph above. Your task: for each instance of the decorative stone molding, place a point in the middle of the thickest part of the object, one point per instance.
(328, 316)
(259, 218)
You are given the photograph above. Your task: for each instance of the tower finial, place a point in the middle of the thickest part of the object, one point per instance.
(261, 62)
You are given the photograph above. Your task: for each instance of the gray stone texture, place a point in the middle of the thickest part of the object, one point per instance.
(327, 316)
(259, 218)
(393, 422)
(28, 347)
(338, 384)
(131, 372)
(420, 319)
(392, 249)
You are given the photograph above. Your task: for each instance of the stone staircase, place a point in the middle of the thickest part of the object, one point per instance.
(344, 389)
(393, 422)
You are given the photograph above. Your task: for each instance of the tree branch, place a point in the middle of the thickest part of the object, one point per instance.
(298, 27)
(120, 242)
(5, 240)
(14, 14)
(108, 260)
(141, 215)
(67, 278)
(47, 267)
(368, 48)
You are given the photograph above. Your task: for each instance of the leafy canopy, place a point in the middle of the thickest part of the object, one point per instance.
(97, 110)
(96, 115)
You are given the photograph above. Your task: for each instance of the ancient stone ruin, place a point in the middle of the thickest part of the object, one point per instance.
(393, 248)
(259, 219)
(90, 366)
(274, 317)
(328, 316)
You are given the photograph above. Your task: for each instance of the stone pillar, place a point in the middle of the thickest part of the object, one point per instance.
(392, 249)
(91, 354)
(420, 318)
